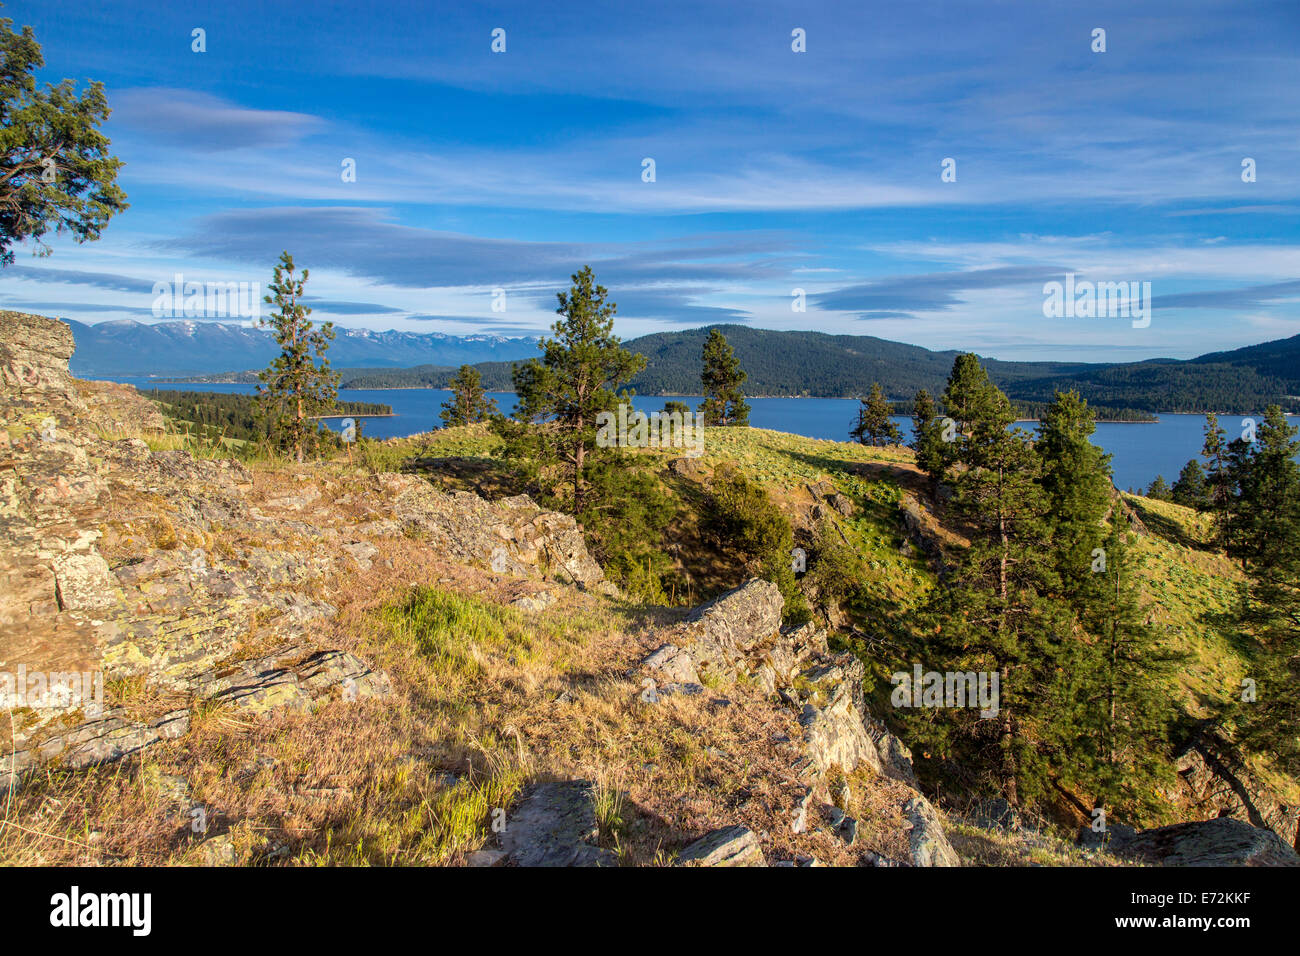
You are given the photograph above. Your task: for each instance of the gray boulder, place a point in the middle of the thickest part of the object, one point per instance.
(730, 846)
(929, 844)
(1221, 842)
(718, 635)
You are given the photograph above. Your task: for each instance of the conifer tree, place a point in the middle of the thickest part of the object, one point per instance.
(1265, 476)
(927, 440)
(1191, 489)
(582, 366)
(468, 403)
(56, 172)
(874, 425)
(1214, 451)
(968, 398)
(722, 378)
(1158, 490)
(298, 384)
(1076, 480)
(990, 615)
(1264, 532)
(1218, 489)
(1124, 697)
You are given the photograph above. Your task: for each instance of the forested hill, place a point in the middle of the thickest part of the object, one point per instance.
(840, 366)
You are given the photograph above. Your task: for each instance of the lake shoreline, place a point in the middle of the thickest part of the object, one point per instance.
(1138, 454)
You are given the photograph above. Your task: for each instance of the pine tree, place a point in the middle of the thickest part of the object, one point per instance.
(722, 378)
(1158, 490)
(1264, 532)
(927, 441)
(1110, 695)
(990, 615)
(1191, 489)
(968, 398)
(582, 365)
(874, 425)
(1215, 453)
(1076, 479)
(298, 384)
(56, 172)
(1126, 695)
(1260, 529)
(468, 403)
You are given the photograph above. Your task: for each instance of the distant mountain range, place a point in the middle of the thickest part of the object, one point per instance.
(187, 348)
(778, 363)
(844, 366)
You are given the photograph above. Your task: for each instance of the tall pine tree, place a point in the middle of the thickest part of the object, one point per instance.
(1118, 750)
(1076, 480)
(1215, 453)
(468, 403)
(722, 378)
(298, 384)
(1264, 533)
(990, 615)
(582, 366)
(927, 440)
(875, 425)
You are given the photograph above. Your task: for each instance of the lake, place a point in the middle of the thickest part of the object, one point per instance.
(1139, 451)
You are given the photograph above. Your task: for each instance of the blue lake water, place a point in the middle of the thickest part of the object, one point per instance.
(1139, 451)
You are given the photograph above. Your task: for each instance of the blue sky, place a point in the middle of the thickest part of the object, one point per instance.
(775, 170)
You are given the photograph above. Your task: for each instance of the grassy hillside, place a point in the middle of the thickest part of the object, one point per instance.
(1187, 585)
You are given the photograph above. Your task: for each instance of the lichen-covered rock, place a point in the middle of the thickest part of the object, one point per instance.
(719, 635)
(929, 844)
(673, 664)
(211, 573)
(729, 846)
(1220, 842)
(93, 742)
(34, 352)
(536, 601)
(83, 582)
(1206, 793)
(511, 536)
(895, 757)
(836, 737)
(781, 656)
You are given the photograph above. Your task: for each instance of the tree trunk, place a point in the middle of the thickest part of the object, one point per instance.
(578, 459)
(1010, 791)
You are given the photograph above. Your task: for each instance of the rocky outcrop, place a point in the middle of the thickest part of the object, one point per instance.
(510, 536)
(671, 663)
(195, 577)
(1221, 842)
(34, 353)
(783, 655)
(719, 636)
(93, 742)
(1208, 788)
(921, 529)
(828, 500)
(555, 825)
(834, 732)
(739, 634)
(929, 844)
